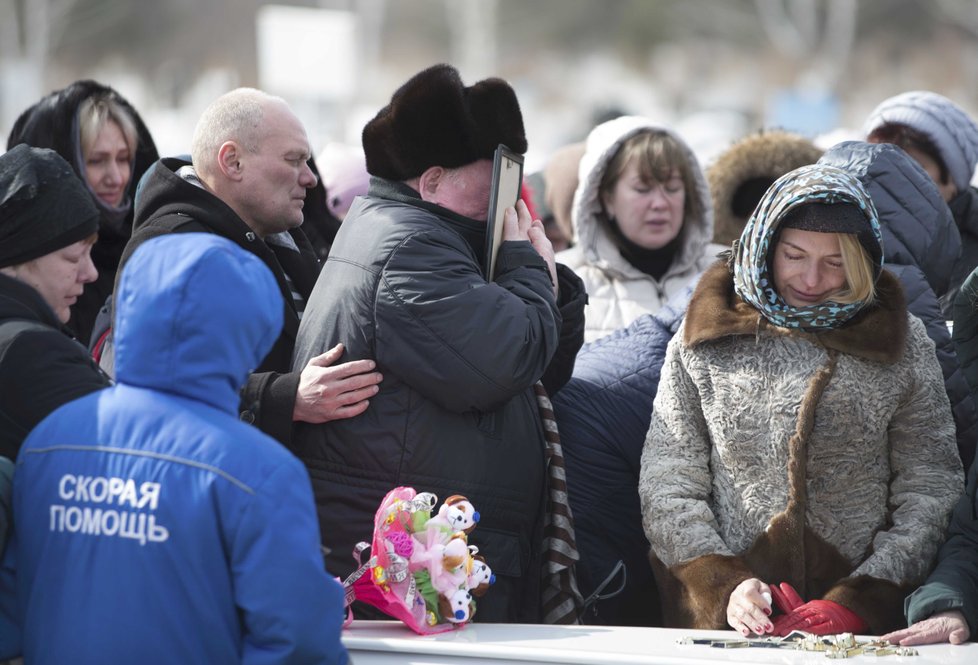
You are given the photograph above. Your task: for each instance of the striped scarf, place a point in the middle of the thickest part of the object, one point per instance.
(562, 601)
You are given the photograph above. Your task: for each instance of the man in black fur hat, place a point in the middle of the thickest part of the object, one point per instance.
(404, 285)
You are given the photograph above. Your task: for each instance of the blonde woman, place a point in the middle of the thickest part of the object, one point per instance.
(103, 138)
(801, 448)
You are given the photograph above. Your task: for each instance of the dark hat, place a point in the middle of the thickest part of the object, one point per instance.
(833, 218)
(434, 120)
(44, 206)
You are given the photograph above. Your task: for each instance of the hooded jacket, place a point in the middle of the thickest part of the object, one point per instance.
(52, 123)
(455, 414)
(618, 292)
(825, 458)
(163, 530)
(170, 204)
(41, 365)
(921, 247)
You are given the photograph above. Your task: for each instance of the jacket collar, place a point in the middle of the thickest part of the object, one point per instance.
(879, 333)
(472, 230)
(21, 301)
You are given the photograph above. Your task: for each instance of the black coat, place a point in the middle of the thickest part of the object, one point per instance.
(964, 207)
(49, 124)
(456, 413)
(41, 365)
(169, 204)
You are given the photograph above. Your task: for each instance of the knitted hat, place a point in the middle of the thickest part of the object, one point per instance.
(954, 133)
(44, 206)
(434, 120)
(833, 218)
(742, 173)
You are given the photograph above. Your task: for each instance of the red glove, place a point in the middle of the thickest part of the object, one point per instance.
(785, 597)
(820, 617)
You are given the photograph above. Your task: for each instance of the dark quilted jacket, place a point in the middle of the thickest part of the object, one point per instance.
(603, 415)
(921, 246)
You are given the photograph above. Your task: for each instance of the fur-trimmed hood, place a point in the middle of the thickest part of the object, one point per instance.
(741, 174)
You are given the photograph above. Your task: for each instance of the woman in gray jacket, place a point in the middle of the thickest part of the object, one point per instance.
(801, 443)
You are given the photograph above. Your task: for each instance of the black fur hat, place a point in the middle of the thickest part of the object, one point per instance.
(434, 120)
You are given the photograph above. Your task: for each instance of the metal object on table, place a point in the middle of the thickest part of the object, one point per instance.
(843, 645)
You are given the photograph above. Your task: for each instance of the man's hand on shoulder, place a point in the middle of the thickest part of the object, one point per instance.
(327, 392)
(949, 626)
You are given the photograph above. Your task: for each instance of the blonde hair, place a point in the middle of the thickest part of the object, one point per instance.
(858, 266)
(95, 112)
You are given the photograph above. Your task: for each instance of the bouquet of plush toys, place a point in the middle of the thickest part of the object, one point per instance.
(422, 569)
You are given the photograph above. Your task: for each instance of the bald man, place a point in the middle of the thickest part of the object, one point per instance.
(247, 182)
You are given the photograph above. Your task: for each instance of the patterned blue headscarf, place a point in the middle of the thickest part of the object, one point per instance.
(815, 183)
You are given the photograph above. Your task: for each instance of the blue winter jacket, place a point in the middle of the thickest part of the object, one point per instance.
(151, 525)
(921, 246)
(603, 415)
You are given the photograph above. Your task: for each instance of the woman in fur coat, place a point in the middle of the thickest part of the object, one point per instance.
(801, 443)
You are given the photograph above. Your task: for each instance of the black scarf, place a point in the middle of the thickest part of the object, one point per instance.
(652, 262)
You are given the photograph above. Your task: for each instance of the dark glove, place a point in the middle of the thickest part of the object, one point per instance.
(820, 617)
(785, 597)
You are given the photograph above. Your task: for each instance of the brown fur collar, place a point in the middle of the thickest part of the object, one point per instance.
(879, 333)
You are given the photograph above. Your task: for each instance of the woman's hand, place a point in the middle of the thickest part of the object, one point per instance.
(947, 626)
(749, 607)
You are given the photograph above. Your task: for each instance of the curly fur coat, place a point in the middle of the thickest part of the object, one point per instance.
(826, 460)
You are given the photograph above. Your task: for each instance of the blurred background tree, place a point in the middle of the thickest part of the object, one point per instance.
(720, 66)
